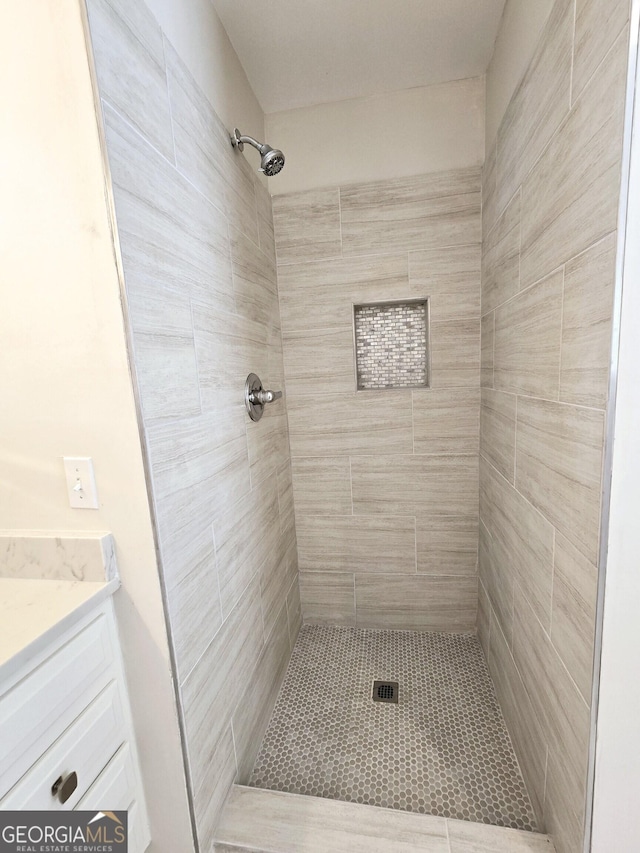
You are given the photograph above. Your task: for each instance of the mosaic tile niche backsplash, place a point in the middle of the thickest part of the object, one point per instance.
(391, 345)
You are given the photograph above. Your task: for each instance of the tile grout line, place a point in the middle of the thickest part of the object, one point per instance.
(515, 446)
(560, 348)
(169, 100)
(366, 256)
(573, 53)
(340, 221)
(553, 580)
(493, 352)
(350, 485)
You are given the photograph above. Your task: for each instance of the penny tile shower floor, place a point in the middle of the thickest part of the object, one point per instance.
(442, 750)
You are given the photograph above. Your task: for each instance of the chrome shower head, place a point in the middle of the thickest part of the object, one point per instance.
(271, 159)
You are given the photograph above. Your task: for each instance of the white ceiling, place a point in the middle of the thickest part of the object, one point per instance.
(302, 52)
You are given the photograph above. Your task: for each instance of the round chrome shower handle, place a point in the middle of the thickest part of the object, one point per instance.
(261, 397)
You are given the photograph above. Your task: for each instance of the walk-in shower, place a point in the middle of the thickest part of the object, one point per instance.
(272, 159)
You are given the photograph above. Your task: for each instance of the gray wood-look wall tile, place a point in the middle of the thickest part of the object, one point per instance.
(455, 353)
(344, 423)
(294, 612)
(523, 539)
(489, 193)
(172, 239)
(476, 838)
(483, 624)
(487, 345)
(286, 509)
(307, 226)
(193, 456)
(130, 65)
(424, 212)
(246, 535)
(524, 727)
(419, 603)
(266, 234)
(289, 823)
(447, 544)
(209, 799)
(276, 577)
(228, 348)
(539, 104)
(319, 361)
(575, 585)
(451, 280)
(319, 295)
(328, 597)
(380, 222)
(267, 442)
(498, 583)
(357, 544)
(527, 340)
(501, 258)
(254, 280)
(558, 159)
(167, 263)
(498, 431)
(562, 712)
(598, 24)
(215, 685)
(196, 235)
(446, 421)
(415, 485)
(193, 597)
(586, 325)
(167, 375)
(558, 467)
(251, 717)
(563, 809)
(565, 208)
(204, 153)
(321, 485)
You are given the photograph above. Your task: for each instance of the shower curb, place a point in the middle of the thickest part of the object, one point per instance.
(255, 820)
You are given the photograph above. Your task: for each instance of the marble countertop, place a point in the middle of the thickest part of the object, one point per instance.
(34, 612)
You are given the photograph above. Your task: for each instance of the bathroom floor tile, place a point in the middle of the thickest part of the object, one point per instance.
(442, 750)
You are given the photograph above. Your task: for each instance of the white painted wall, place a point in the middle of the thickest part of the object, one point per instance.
(616, 817)
(522, 23)
(196, 32)
(406, 133)
(66, 388)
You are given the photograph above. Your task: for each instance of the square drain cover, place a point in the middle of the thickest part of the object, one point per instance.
(385, 691)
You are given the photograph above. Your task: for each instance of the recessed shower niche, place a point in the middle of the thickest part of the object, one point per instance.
(392, 344)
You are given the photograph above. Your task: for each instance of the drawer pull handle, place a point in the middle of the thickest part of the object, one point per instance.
(64, 786)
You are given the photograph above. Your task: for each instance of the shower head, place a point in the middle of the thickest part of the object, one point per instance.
(271, 159)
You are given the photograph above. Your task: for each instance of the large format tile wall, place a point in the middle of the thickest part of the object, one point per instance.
(196, 236)
(385, 481)
(550, 198)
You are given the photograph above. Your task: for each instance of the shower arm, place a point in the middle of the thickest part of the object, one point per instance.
(240, 140)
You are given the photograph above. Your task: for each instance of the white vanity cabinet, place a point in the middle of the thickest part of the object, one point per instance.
(66, 736)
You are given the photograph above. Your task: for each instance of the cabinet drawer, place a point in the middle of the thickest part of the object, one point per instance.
(116, 789)
(85, 748)
(35, 712)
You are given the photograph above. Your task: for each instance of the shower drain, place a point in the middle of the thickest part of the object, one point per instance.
(385, 691)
